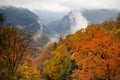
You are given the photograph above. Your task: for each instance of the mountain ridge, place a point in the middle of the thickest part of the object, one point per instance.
(21, 18)
(75, 20)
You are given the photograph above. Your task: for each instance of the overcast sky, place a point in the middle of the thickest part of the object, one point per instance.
(63, 5)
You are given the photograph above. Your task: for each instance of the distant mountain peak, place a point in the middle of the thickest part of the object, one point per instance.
(77, 19)
(21, 18)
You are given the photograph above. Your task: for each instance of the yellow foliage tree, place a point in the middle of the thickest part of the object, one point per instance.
(58, 61)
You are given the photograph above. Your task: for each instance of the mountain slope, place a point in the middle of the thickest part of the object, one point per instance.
(99, 16)
(48, 17)
(69, 23)
(21, 18)
(30, 28)
(75, 20)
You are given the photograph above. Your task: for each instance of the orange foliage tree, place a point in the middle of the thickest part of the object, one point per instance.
(97, 55)
(12, 50)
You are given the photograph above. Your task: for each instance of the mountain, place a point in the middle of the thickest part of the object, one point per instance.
(99, 16)
(29, 26)
(66, 24)
(75, 20)
(21, 18)
(48, 17)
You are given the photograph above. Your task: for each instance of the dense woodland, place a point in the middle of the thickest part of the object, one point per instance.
(92, 53)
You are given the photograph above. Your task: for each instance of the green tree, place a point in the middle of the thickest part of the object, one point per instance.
(1, 19)
(118, 22)
(117, 32)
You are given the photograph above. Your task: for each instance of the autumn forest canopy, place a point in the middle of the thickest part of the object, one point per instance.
(91, 53)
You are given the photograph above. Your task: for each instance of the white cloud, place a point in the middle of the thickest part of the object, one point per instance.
(63, 5)
(80, 21)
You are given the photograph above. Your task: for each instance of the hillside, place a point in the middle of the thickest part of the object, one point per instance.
(93, 52)
(59, 39)
(29, 27)
(77, 19)
(21, 18)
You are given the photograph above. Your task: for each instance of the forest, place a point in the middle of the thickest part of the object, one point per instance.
(92, 53)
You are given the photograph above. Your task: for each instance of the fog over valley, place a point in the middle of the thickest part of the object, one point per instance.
(59, 39)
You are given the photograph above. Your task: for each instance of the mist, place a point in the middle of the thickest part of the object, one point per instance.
(80, 21)
(77, 21)
(39, 32)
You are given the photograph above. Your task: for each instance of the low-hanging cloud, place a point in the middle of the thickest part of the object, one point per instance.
(63, 5)
(79, 21)
(38, 35)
